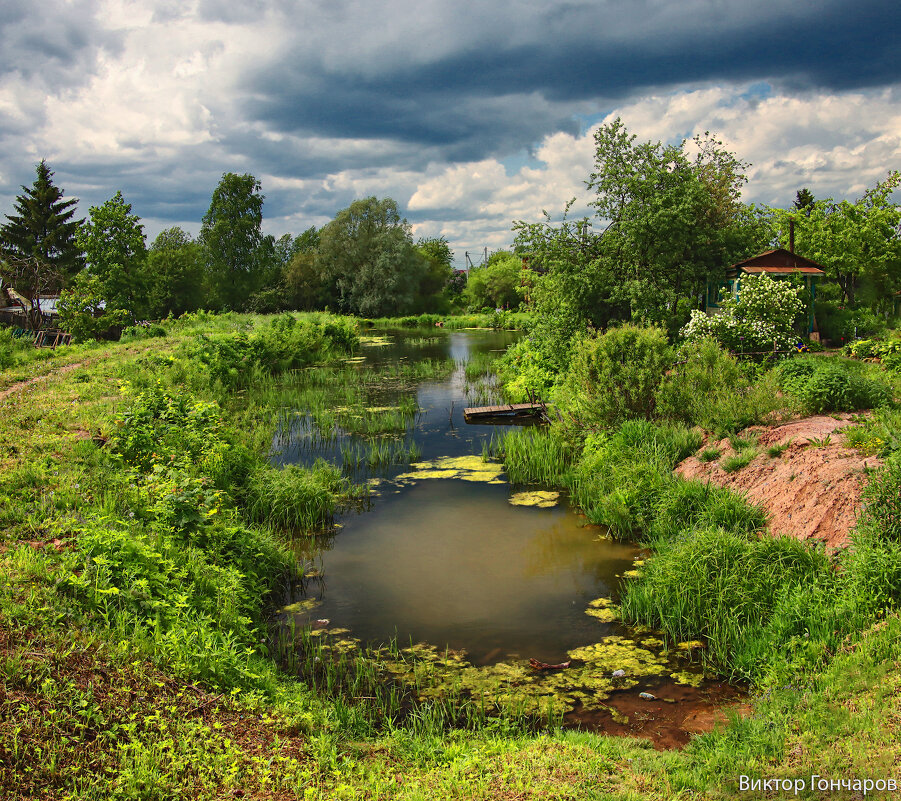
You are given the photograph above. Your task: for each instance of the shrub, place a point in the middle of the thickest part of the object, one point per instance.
(834, 389)
(10, 346)
(710, 388)
(143, 330)
(764, 315)
(833, 385)
(615, 376)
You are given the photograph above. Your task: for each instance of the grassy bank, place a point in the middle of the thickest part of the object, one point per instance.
(143, 534)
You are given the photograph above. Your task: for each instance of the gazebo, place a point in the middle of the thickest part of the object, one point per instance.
(778, 263)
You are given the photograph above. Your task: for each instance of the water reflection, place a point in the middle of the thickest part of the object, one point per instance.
(452, 562)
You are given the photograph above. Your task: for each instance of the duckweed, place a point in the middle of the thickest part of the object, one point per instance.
(541, 499)
(467, 468)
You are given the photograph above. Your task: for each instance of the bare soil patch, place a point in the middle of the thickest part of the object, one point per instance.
(5, 393)
(811, 491)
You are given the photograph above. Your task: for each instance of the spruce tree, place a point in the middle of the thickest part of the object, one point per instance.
(43, 227)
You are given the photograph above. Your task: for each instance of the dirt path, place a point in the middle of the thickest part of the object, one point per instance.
(810, 491)
(5, 393)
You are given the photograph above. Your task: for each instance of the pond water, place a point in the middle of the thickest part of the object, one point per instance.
(441, 555)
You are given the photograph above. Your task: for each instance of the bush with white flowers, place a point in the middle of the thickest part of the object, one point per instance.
(763, 314)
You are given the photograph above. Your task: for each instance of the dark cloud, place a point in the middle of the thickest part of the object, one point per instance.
(492, 95)
(54, 43)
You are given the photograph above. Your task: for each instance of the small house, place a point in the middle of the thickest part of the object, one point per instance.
(779, 263)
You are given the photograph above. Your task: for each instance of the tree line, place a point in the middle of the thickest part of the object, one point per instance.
(668, 219)
(363, 262)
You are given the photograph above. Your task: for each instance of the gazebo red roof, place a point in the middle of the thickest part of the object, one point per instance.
(776, 262)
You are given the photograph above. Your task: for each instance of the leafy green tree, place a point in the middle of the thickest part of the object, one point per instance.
(573, 289)
(673, 218)
(113, 240)
(232, 238)
(369, 253)
(497, 284)
(858, 244)
(43, 227)
(804, 201)
(174, 272)
(439, 269)
(83, 311)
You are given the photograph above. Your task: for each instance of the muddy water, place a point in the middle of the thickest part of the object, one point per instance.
(441, 556)
(451, 561)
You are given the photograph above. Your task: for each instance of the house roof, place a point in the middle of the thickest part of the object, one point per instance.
(777, 262)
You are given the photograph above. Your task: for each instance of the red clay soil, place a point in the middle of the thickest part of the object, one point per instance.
(676, 713)
(810, 491)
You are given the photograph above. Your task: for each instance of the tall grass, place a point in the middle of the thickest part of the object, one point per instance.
(294, 498)
(531, 454)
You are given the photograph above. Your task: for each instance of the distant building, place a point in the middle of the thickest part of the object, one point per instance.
(779, 263)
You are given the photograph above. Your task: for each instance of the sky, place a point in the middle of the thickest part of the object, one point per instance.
(470, 115)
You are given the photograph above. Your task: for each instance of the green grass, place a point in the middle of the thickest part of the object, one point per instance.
(737, 461)
(135, 591)
(709, 454)
(531, 454)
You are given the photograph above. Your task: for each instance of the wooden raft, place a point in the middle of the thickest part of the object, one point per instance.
(508, 411)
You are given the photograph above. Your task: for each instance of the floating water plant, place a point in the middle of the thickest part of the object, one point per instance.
(466, 468)
(603, 609)
(543, 499)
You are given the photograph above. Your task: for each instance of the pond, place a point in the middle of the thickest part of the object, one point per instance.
(443, 553)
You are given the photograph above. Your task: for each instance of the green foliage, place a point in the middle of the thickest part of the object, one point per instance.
(620, 477)
(615, 376)
(232, 239)
(293, 498)
(888, 351)
(83, 311)
(762, 319)
(11, 347)
(673, 219)
(857, 243)
(159, 427)
(882, 494)
(175, 274)
(703, 376)
(841, 324)
(495, 285)
(689, 505)
(437, 275)
(833, 385)
(747, 598)
(878, 434)
(286, 344)
(738, 460)
(113, 241)
(368, 251)
(43, 227)
(525, 369)
(143, 330)
(533, 454)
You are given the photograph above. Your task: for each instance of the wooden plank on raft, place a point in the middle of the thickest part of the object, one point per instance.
(506, 410)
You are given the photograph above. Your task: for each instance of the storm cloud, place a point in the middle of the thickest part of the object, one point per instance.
(469, 115)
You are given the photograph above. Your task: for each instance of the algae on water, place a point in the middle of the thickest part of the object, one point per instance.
(467, 468)
(540, 498)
